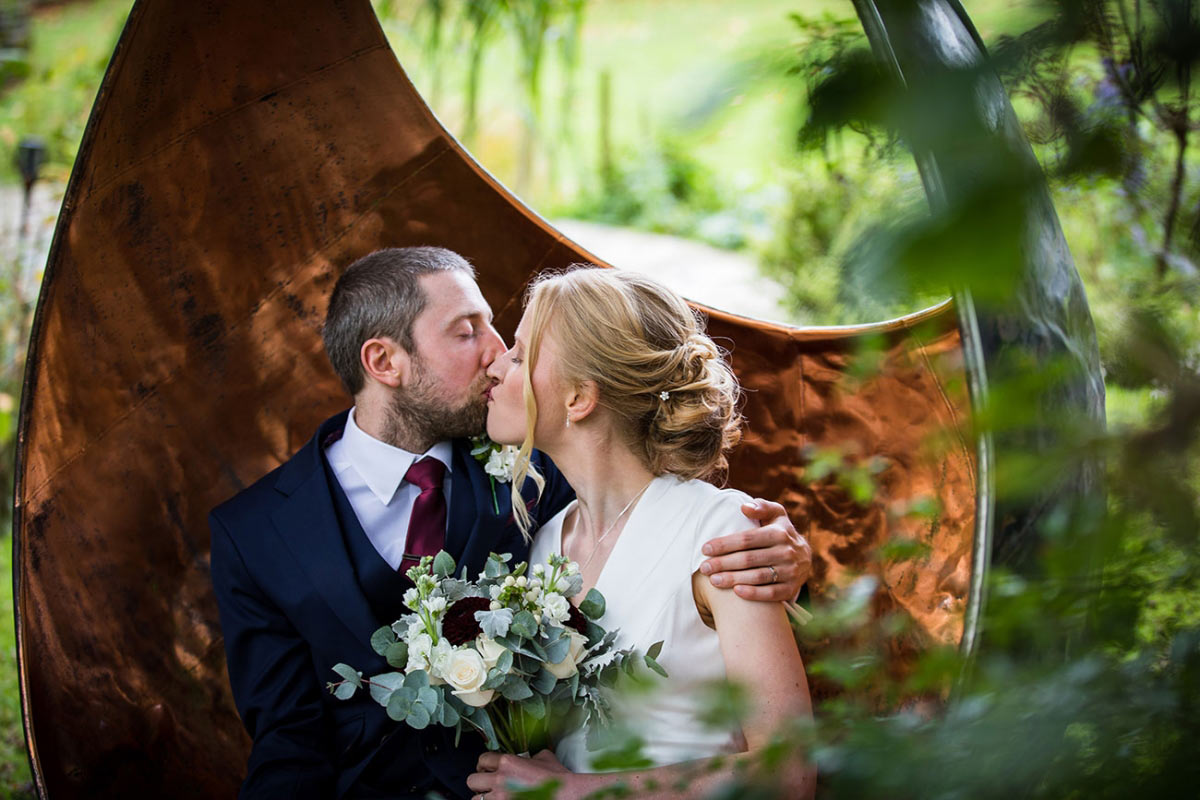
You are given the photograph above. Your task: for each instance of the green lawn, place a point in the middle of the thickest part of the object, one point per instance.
(14, 765)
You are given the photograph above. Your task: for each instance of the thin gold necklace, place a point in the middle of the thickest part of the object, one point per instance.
(609, 529)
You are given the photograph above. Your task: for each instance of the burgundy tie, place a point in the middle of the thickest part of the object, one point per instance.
(427, 525)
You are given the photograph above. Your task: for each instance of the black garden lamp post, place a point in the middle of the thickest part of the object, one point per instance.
(31, 154)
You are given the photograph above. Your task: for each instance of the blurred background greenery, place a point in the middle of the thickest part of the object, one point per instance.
(692, 118)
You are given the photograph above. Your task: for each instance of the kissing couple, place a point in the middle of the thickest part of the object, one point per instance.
(619, 404)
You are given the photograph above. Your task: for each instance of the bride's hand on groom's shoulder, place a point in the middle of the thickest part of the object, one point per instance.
(770, 562)
(496, 772)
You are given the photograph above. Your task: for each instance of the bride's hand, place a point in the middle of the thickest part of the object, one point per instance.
(497, 771)
(769, 563)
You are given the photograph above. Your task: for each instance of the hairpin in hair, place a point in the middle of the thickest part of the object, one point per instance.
(664, 396)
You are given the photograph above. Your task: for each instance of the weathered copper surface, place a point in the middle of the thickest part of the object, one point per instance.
(240, 154)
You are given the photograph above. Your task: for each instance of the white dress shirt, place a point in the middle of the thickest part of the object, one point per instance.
(371, 474)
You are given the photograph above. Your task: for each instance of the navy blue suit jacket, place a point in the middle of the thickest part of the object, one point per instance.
(291, 607)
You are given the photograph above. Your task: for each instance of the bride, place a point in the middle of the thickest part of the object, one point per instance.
(613, 378)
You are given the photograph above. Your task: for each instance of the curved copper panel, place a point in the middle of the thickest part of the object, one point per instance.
(239, 155)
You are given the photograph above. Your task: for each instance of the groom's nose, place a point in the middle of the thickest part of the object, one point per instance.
(493, 346)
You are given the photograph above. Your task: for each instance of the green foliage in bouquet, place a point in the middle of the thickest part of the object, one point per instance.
(507, 655)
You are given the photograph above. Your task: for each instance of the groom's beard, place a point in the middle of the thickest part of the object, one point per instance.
(419, 415)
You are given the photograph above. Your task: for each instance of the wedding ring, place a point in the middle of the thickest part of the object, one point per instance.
(774, 574)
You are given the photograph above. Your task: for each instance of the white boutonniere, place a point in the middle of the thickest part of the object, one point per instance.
(498, 461)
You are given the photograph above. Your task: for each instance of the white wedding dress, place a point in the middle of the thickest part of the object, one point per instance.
(647, 588)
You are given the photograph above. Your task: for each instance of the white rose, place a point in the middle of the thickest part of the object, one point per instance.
(569, 665)
(477, 698)
(466, 673)
(489, 649)
(555, 607)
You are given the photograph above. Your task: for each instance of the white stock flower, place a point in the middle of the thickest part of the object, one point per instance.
(500, 464)
(539, 569)
(561, 585)
(439, 658)
(570, 663)
(555, 607)
(436, 605)
(411, 598)
(419, 647)
(573, 568)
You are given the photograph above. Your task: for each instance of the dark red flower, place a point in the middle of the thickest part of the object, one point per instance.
(459, 625)
(576, 619)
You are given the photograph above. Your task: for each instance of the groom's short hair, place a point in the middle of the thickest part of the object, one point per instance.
(380, 295)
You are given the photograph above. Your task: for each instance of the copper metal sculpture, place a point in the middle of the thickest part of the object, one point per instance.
(239, 155)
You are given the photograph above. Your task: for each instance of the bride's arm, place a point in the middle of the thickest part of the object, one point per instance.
(759, 653)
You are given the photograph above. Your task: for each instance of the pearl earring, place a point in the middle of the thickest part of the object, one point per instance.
(568, 420)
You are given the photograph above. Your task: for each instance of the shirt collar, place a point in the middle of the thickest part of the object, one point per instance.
(382, 466)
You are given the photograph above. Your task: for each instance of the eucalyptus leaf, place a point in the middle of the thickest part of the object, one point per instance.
(344, 691)
(495, 679)
(505, 662)
(417, 679)
(443, 565)
(397, 655)
(418, 717)
(448, 717)
(592, 606)
(544, 681)
(401, 703)
(383, 685)
(429, 698)
(496, 566)
(515, 688)
(523, 624)
(535, 706)
(518, 647)
(349, 673)
(653, 650)
(558, 650)
(654, 665)
(382, 639)
(483, 723)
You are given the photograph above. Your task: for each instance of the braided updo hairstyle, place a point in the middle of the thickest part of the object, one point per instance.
(665, 381)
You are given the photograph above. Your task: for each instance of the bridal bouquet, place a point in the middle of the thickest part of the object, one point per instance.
(504, 655)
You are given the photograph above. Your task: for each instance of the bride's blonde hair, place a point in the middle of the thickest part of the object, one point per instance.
(664, 380)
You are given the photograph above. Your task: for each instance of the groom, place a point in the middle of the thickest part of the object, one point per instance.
(308, 561)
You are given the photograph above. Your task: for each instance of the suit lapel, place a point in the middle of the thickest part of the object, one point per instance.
(465, 506)
(488, 528)
(308, 525)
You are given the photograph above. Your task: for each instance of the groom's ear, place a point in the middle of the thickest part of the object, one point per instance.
(582, 400)
(386, 361)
